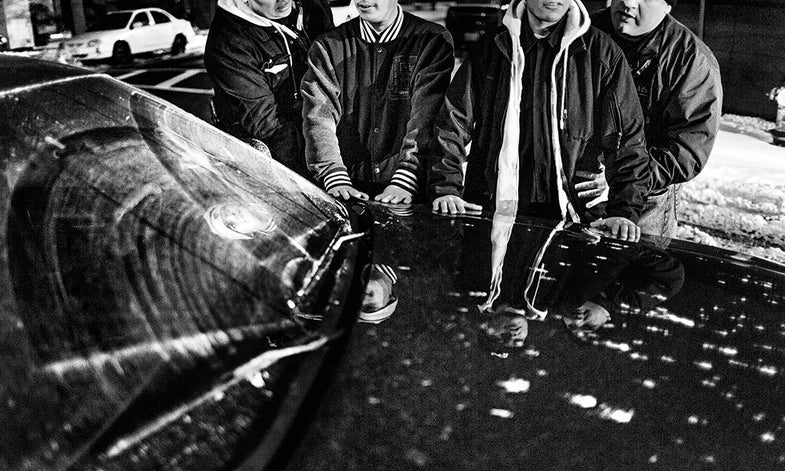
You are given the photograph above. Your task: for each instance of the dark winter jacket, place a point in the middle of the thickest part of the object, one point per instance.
(678, 83)
(369, 107)
(595, 115)
(257, 70)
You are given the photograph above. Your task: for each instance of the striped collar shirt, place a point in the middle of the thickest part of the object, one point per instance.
(392, 32)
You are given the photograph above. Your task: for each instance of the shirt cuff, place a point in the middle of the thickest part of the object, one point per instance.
(339, 177)
(405, 179)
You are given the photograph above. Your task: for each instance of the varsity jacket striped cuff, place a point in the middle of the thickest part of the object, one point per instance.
(405, 179)
(338, 177)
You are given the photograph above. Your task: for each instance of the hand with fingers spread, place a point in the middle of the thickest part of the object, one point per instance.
(619, 228)
(595, 186)
(451, 204)
(346, 192)
(394, 194)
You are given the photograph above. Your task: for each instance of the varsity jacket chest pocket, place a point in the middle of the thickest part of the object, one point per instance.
(401, 77)
(276, 70)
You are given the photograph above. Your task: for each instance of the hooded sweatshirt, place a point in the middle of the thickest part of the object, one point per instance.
(593, 113)
(256, 65)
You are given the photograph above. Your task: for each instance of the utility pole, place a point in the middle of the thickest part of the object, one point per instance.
(701, 17)
(77, 15)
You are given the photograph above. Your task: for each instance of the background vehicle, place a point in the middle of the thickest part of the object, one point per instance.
(120, 35)
(469, 22)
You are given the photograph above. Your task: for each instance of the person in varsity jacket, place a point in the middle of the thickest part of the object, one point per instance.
(372, 90)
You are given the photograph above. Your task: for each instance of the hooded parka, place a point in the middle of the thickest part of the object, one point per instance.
(256, 65)
(593, 110)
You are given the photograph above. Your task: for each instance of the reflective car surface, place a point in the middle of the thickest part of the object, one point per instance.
(120, 35)
(173, 299)
(477, 368)
(159, 279)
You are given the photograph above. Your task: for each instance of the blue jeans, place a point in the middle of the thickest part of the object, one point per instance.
(659, 213)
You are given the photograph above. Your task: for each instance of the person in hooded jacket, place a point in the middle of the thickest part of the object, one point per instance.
(256, 55)
(679, 86)
(545, 100)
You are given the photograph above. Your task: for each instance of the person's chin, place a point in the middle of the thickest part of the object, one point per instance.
(369, 17)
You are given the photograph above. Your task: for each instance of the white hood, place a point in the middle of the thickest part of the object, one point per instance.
(509, 160)
(241, 9)
(507, 178)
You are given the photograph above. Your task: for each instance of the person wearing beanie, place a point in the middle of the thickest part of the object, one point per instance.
(678, 82)
(546, 96)
(373, 87)
(256, 55)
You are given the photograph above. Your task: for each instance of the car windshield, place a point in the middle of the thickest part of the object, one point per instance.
(153, 266)
(111, 21)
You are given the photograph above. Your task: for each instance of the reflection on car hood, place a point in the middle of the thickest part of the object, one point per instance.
(477, 369)
(159, 280)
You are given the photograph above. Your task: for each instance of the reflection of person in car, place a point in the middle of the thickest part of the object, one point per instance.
(583, 278)
(379, 301)
(256, 55)
(372, 90)
(544, 99)
(589, 284)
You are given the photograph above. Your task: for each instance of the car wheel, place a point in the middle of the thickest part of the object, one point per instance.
(178, 46)
(121, 53)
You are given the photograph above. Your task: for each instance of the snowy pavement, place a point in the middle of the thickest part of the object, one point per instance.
(738, 201)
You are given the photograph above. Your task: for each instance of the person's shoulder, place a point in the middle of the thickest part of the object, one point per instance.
(229, 32)
(346, 31)
(601, 42)
(685, 45)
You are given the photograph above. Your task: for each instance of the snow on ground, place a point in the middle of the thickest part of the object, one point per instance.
(738, 201)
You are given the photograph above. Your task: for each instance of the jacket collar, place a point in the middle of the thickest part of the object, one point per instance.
(577, 20)
(528, 39)
(392, 32)
(576, 23)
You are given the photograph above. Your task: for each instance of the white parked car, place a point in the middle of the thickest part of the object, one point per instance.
(122, 34)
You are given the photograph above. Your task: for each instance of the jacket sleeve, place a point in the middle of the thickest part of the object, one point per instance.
(431, 79)
(322, 110)
(452, 133)
(691, 119)
(238, 72)
(627, 161)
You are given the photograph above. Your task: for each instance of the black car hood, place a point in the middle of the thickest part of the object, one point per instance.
(688, 373)
(168, 294)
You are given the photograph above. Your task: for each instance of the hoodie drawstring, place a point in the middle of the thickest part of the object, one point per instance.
(563, 107)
